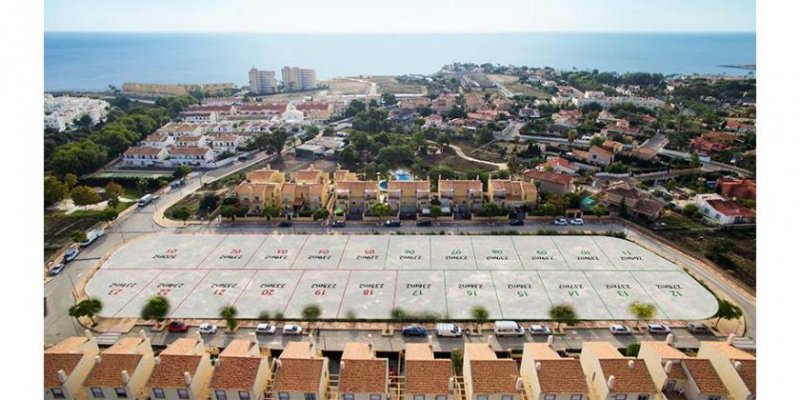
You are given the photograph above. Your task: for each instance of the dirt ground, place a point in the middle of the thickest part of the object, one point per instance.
(512, 83)
(341, 86)
(389, 84)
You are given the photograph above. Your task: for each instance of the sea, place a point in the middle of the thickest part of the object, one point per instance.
(93, 61)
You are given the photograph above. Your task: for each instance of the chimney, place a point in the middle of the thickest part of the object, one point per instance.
(550, 340)
(611, 381)
(518, 386)
(341, 367)
(142, 334)
(430, 342)
(62, 376)
(729, 341)
(669, 339)
(668, 367)
(538, 366)
(371, 346)
(451, 385)
(88, 334)
(737, 365)
(631, 364)
(489, 341)
(126, 377)
(158, 360)
(96, 360)
(254, 339)
(277, 364)
(187, 377)
(197, 336)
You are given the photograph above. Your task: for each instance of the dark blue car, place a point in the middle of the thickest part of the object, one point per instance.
(414, 331)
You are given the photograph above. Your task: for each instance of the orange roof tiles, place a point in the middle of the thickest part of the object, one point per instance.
(628, 380)
(177, 358)
(494, 376)
(299, 375)
(189, 150)
(123, 356)
(563, 375)
(747, 371)
(705, 376)
(237, 366)
(65, 355)
(363, 375)
(143, 151)
(424, 374)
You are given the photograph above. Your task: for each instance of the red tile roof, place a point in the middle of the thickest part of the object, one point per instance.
(705, 376)
(63, 356)
(628, 380)
(730, 208)
(143, 151)
(562, 376)
(189, 151)
(549, 176)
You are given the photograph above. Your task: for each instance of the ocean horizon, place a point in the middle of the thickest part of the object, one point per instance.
(86, 61)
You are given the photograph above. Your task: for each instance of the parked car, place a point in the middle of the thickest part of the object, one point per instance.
(576, 221)
(208, 328)
(338, 224)
(57, 269)
(508, 328)
(285, 224)
(91, 236)
(71, 254)
(242, 158)
(292, 330)
(393, 223)
(560, 222)
(619, 330)
(698, 328)
(425, 222)
(414, 330)
(266, 329)
(516, 222)
(658, 328)
(177, 326)
(449, 330)
(540, 330)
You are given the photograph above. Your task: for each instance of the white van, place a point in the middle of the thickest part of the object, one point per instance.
(451, 330)
(508, 328)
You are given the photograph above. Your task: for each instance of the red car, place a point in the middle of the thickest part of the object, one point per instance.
(177, 326)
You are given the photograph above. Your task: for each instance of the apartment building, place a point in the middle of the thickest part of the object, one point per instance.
(296, 78)
(408, 197)
(182, 371)
(427, 378)
(296, 197)
(460, 196)
(512, 194)
(735, 367)
(122, 370)
(179, 129)
(301, 373)
(192, 155)
(241, 372)
(488, 378)
(548, 376)
(66, 366)
(677, 375)
(144, 156)
(612, 376)
(362, 376)
(191, 141)
(352, 198)
(262, 82)
(158, 140)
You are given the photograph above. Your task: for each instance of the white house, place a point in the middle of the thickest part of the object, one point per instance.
(158, 140)
(191, 155)
(144, 156)
(720, 211)
(226, 142)
(181, 129)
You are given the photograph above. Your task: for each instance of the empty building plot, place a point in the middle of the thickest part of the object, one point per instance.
(369, 276)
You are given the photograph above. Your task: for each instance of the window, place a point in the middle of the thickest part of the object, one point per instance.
(508, 397)
(243, 395)
(644, 397)
(419, 397)
(183, 394)
(121, 393)
(441, 397)
(283, 396)
(347, 396)
(374, 397)
(159, 393)
(310, 396)
(714, 398)
(549, 397)
(621, 397)
(97, 393)
(58, 393)
(483, 397)
(576, 397)
(220, 394)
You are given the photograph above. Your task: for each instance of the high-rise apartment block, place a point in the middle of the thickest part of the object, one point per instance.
(262, 82)
(296, 78)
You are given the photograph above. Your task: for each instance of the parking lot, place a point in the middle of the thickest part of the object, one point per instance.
(367, 276)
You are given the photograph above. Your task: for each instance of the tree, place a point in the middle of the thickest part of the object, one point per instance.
(84, 195)
(209, 202)
(691, 210)
(228, 313)
(642, 311)
(597, 140)
(142, 185)
(78, 236)
(86, 308)
(182, 171)
(480, 314)
(311, 312)
(436, 212)
(727, 311)
(114, 189)
(272, 210)
(228, 211)
(632, 350)
(157, 308)
(381, 210)
(514, 165)
(181, 214)
(492, 210)
(617, 167)
(599, 210)
(347, 156)
(54, 190)
(109, 214)
(563, 314)
(71, 180)
(548, 209)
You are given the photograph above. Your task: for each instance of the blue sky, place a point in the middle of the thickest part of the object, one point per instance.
(408, 16)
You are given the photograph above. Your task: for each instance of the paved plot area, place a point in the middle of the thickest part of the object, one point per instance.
(368, 276)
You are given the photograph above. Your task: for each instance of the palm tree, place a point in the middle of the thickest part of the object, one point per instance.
(563, 313)
(228, 313)
(642, 311)
(480, 314)
(156, 308)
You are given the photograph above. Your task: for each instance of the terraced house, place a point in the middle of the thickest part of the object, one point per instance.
(352, 198)
(548, 376)
(612, 376)
(735, 367)
(679, 376)
(182, 371)
(260, 188)
(66, 366)
(241, 372)
(460, 196)
(487, 377)
(512, 194)
(408, 198)
(427, 378)
(362, 376)
(301, 373)
(122, 370)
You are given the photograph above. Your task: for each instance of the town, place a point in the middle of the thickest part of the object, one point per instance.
(485, 231)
